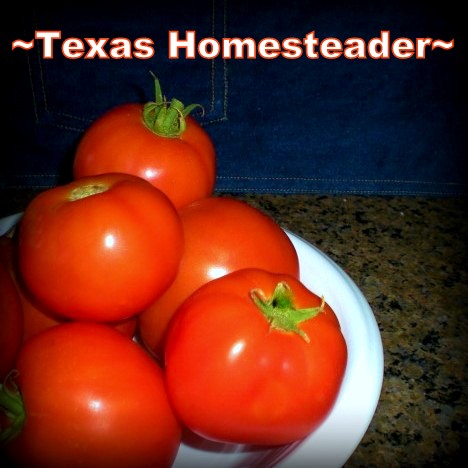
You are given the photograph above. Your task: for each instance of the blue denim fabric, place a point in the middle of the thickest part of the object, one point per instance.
(385, 127)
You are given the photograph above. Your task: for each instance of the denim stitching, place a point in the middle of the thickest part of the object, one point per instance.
(213, 67)
(338, 179)
(214, 70)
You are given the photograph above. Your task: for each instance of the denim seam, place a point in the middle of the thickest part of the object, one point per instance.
(336, 179)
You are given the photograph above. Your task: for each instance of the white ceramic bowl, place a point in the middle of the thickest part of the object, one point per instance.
(336, 439)
(339, 435)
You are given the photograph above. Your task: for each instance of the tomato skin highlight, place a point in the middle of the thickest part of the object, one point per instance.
(252, 384)
(102, 257)
(222, 234)
(92, 398)
(184, 168)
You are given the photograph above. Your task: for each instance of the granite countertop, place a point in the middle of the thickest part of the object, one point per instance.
(409, 258)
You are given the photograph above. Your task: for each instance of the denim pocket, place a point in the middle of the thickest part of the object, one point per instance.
(72, 93)
(51, 101)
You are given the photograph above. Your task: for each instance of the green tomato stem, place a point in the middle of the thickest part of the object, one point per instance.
(280, 311)
(166, 118)
(11, 404)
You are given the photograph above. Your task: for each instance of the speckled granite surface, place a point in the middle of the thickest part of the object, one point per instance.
(409, 258)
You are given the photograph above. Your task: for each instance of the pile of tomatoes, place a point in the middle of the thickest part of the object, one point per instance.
(136, 306)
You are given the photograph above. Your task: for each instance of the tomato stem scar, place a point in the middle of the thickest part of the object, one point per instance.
(280, 311)
(86, 191)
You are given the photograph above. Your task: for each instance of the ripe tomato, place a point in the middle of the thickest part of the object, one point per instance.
(222, 234)
(11, 320)
(159, 142)
(261, 355)
(126, 326)
(100, 248)
(35, 317)
(92, 397)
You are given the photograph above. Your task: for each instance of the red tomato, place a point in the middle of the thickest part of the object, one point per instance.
(36, 320)
(35, 317)
(92, 397)
(11, 320)
(222, 234)
(126, 326)
(261, 355)
(158, 142)
(100, 248)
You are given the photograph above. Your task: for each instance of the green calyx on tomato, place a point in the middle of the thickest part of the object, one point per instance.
(11, 404)
(281, 312)
(166, 118)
